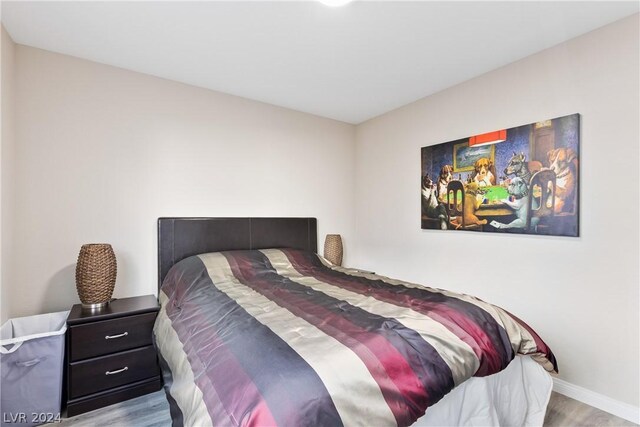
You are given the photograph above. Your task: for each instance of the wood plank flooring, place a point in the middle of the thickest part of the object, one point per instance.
(564, 411)
(152, 410)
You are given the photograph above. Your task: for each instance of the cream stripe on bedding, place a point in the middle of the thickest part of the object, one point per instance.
(457, 354)
(344, 381)
(184, 390)
(521, 340)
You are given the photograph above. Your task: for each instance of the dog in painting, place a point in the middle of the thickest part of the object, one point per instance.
(520, 192)
(564, 162)
(471, 205)
(446, 175)
(482, 173)
(518, 166)
(431, 207)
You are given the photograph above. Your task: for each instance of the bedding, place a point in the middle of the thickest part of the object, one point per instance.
(282, 337)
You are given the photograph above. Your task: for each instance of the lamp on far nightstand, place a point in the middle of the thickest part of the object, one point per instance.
(96, 275)
(333, 248)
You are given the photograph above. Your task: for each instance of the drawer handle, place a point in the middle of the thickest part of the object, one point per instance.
(110, 337)
(31, 362)
(117, 372)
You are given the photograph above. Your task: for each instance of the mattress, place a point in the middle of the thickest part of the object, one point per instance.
(282, 337)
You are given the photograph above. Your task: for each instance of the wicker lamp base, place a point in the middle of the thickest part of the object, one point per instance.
(96, 275)
(333, 249)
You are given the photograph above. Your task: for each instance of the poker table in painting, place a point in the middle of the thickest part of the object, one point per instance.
(492, 202)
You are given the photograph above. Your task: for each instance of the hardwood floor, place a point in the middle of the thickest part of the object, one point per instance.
(152, 410)
(564, 411)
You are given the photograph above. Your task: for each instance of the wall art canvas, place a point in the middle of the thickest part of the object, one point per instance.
(519, 180)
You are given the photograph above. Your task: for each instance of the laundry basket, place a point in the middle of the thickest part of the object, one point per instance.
(31, 360)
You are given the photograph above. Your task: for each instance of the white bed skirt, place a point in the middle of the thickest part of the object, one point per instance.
(517, 396)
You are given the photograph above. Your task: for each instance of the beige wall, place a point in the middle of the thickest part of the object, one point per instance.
(104, 152)
(581, 294)
(7, 86)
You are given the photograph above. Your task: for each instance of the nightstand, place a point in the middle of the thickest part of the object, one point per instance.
(109, 354)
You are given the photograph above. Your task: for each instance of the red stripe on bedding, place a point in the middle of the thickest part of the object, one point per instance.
(455, 321)
(400, 387)
(229, 380)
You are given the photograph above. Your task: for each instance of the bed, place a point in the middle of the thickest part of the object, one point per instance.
(257, 329)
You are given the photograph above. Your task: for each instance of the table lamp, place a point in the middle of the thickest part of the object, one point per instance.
(333, 249)
(96, 275)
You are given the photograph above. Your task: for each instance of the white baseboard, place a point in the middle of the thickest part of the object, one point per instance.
(597, 400)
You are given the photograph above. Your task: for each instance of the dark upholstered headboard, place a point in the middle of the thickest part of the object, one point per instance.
(179, 238)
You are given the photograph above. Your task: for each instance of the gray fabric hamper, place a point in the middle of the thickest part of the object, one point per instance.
(31, 361)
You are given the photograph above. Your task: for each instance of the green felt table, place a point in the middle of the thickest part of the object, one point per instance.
(494, 193)
(493, 205)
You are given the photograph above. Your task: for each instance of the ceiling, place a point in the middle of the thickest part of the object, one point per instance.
(350, 63)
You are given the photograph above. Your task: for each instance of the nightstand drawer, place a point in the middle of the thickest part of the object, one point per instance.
(102, 373)
(110, 336)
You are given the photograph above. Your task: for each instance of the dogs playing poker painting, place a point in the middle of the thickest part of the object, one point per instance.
(518, 180)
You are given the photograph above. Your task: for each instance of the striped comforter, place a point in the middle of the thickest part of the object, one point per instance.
(280, 337)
